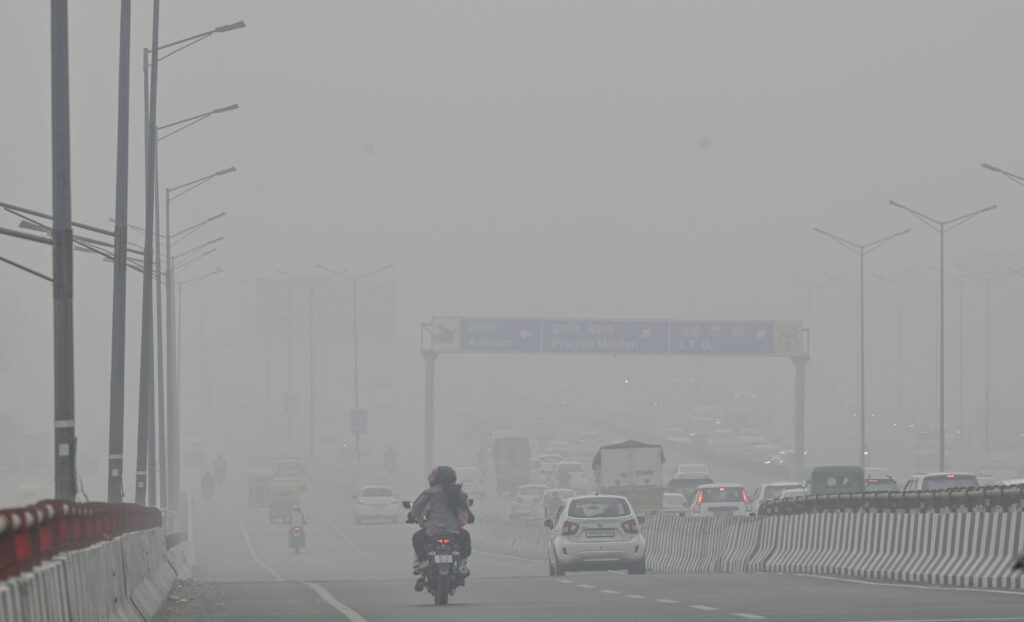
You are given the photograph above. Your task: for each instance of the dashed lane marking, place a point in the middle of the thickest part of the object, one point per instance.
(667, 601)
(703, 608)
(634, 596)
(585, 586)
(748, 616)
(610, 591)
(564, 581)
(907, 586)
(252, 551)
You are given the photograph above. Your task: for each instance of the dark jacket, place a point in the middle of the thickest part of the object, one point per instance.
(432, 511)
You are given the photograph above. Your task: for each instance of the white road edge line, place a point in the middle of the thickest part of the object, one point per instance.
(909, 586)
(252, 551)
(344, 609)
(703, 608)
(1013, 619)
(748, 616)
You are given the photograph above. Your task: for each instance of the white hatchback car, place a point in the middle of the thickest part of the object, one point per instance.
(720, 500)
(529, 501)
(596, 532)
(377, 503)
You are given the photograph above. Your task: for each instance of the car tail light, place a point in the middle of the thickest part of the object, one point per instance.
(631, 526)
(394, 500)
(570, 528)
(950, 476)
(746, 499)
(296, 529)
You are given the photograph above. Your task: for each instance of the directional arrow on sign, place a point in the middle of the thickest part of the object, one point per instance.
(645, 333)
(525, 334)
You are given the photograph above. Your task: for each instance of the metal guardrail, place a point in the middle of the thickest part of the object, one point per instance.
(951, 500)
(32, 534)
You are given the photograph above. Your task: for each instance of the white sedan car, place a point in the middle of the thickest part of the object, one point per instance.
(596, 532)
(377, 503)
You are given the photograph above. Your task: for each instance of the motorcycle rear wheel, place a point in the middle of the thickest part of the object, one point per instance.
(441, 591)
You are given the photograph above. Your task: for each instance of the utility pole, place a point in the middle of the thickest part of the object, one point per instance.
(65, 476)
(115, 453)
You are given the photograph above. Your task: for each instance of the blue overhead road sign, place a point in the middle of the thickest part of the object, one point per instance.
(599, 336)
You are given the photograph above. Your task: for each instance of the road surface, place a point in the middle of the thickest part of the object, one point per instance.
(363, 573)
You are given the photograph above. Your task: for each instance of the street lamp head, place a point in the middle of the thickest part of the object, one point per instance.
(225, 109)
(899, 205)
(31, 226)
(994, 169)
(225, 171)
(229, 27)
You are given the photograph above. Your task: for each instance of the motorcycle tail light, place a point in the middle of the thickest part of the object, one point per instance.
(443, 541)
(570, 528)
(631, 526)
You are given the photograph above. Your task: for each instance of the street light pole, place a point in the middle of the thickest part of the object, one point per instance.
(65, 477)
(942, 227)
(115, 439)
(861, 250)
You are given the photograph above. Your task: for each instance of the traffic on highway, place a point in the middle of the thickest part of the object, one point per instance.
(511, 310)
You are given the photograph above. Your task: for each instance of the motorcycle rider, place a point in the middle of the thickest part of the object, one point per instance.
(297, 517)
(442, 509)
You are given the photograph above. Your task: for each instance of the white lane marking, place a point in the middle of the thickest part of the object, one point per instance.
(564, 581)
(585, 586)
(344, 609)
(1014, 619)
(667, 601)
(252, 551)
(704, 607)
(748, 616)
(518, 559)
(610, 591)
(911, 587)
(634, 596)
(349, 542)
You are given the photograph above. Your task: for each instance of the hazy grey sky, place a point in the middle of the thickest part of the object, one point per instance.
(652, 159)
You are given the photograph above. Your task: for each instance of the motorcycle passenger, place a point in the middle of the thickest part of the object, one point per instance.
(442, 509)
(297, 516)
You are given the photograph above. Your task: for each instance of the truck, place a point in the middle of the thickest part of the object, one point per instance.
(511, 455)
(633, 470)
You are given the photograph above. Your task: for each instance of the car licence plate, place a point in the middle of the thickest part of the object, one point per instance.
(442, 559)
(600, 533)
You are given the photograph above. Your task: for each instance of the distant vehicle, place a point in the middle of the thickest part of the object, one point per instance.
(674, 503)
(290, 470)
(560, 448)
(548, 462)
(495, 435)
(877, 473)
(596, 532)
(473, 483)
(827, 480)
(771, 492)
(941, 481)
(1013, 482)
(688, 470)
(571, 475)
(377, 502)
(284, 495)
(987, 480)
(687, 485)
(555, 498)
(536, 471)
(724, 440)
(793, 493)
(259, 486)
(511, 463)
(720, 500)
(881, 484)
(529, 501)
(633, 470)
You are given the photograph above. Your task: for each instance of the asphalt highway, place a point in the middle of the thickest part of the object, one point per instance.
(363, 573)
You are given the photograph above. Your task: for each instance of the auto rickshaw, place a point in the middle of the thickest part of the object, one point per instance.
(259, 487)
(284, 495)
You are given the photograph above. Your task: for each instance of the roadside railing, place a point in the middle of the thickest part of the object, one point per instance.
(988, 498)
(33, 534)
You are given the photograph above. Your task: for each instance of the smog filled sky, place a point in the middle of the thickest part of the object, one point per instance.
(565, 159)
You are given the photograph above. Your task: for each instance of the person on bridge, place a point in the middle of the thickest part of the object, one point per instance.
(442, 509)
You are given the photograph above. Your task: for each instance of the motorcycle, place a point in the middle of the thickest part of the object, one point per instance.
(441, 576)
(296, 538)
